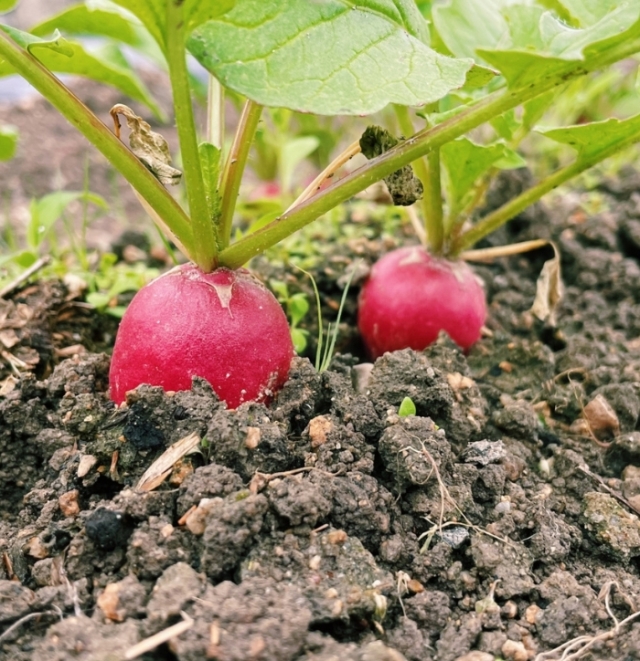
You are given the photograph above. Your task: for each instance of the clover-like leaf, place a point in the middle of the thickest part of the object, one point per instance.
(331, 57)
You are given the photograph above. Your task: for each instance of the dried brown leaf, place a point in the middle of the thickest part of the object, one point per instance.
(549, 289)
(150, 147)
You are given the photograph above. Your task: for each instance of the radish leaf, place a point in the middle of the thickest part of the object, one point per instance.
(210, 163)
(527, 43)
(588, 139)
(94, 18)
(152, 14)
(63, 56)
(331, 57)
(465, 161)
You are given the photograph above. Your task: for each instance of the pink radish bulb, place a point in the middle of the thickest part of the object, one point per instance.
(224, 326)
(410, 296)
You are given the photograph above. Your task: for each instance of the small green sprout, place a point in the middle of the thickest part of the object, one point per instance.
(407, 407)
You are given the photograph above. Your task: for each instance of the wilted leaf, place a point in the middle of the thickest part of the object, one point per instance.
(404, 187)
(549, 289)
(150, 147)
(331, 57)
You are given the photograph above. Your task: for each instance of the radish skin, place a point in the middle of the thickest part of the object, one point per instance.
(410, 296)
(224, 326)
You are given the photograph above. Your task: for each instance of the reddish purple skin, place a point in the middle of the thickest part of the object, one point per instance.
(225, 327)
(411, 296)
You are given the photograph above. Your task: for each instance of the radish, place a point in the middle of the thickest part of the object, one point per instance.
(224, 326)
(410, 296)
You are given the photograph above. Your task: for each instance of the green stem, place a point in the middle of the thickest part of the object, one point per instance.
(409, 151)
(234, 167)
(205, 245)
(79, 116)
(506, 212)
(428, 171)
(434, 220)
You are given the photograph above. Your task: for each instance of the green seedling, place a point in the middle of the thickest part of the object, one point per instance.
(407, 407)
(495, 64)
(111, 279)
(40, 239)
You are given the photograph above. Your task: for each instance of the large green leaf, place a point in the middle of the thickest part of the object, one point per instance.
(332, 57)
(404, 12)
(466, 25)
(152, 14)
(588, 139)
(63, 56)
(198, 12)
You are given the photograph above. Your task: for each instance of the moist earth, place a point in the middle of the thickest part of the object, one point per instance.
(499, 522)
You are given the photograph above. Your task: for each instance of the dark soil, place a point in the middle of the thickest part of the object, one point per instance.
(500, 522)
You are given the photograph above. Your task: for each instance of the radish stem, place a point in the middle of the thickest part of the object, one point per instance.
(410, 150)
(234, 167)
(427, 169)
(500, 216)
(205, 248)
(79, 116)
